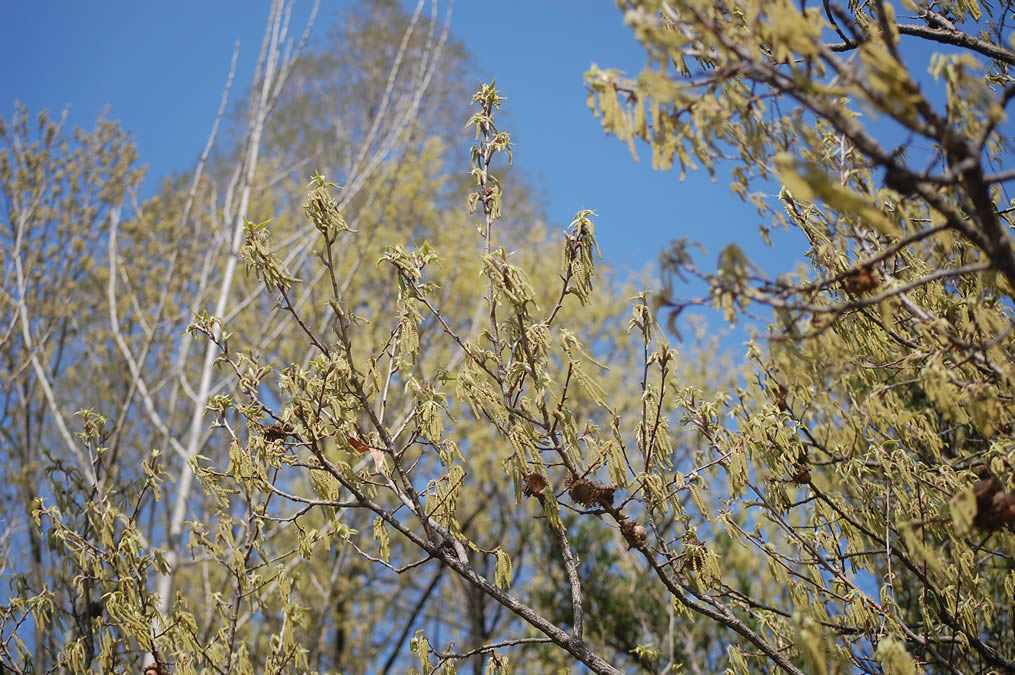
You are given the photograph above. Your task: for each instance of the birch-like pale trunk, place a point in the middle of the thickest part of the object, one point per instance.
(273, 67)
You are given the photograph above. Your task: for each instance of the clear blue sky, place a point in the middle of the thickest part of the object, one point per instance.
(160, 68)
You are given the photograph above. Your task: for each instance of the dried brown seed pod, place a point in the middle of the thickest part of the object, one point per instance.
(995, 508)
(1004, 510)
(862, 280)
(535, 485)
(802, 475)
(589, 494)
(582, 491)
(982, 471)
(779, 393)
(634, 533)
(606, 493)
(277, 431)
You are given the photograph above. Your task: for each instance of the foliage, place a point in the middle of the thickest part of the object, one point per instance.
(358, 426)
(870, 457)
(304, 440)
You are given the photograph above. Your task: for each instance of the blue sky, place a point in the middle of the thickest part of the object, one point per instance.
(160, 68)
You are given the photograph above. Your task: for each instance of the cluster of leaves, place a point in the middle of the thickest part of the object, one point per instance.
(877, 429)
(517, 371)
(331, 455)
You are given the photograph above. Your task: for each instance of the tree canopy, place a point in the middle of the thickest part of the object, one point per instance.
(322, 403)
(877, 419)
